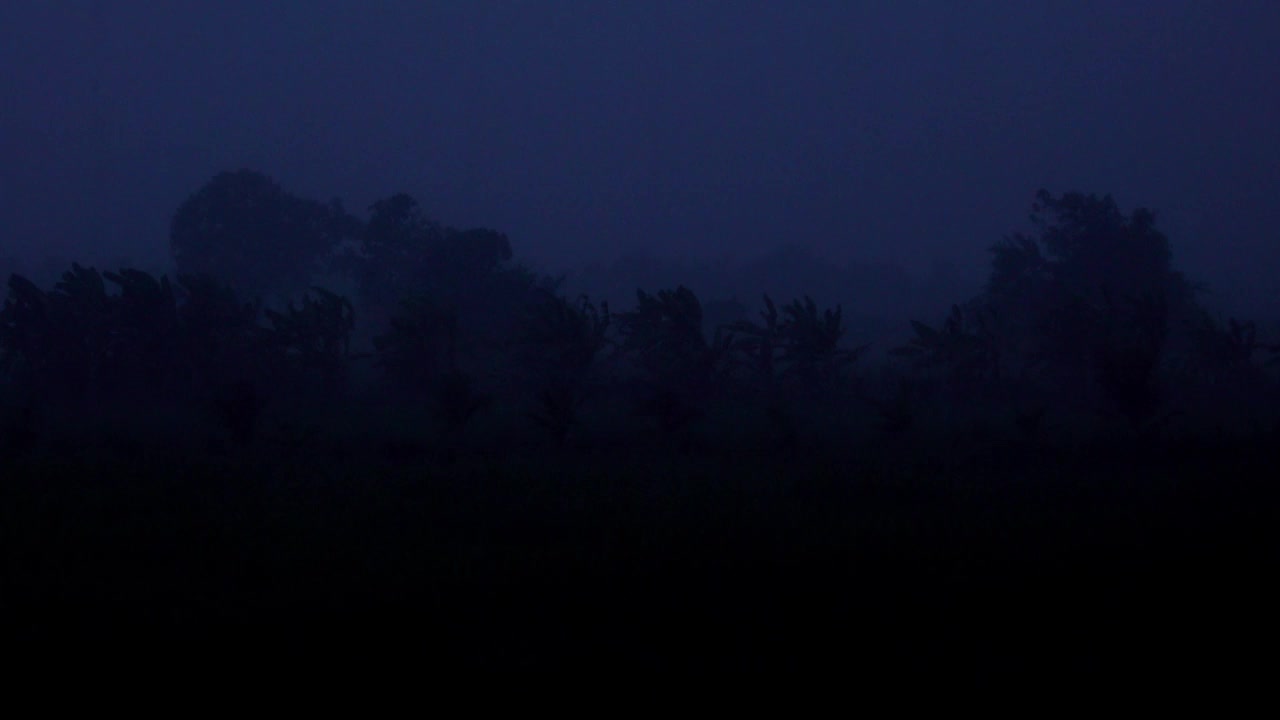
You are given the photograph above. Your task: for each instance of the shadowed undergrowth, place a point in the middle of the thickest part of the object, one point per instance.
(1084, 559)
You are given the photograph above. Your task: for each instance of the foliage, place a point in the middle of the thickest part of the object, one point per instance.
(316, 337)
(146, 324)
(223, 344)
(964, 347)
(1055, 300)
(463, 257)
(392, 262)
(403, 253)
(66, 340)
(761, 343)
(680, 367)
(1129, 354)
(799, 344)
(420, 346)
(812, 350)
(1092, 245)
(562, 341)
(664, 332)
(244, 229)
(1223, 353)
(23, 328)
(81, 346)
(456, 400)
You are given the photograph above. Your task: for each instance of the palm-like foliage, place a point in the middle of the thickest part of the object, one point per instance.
(83, 315)
(222, 341)
(78, 341)
(419, 355)
(24, 327)
(812, 350)
(664, 334)
(145, 320)
(1017, 266)
(61, 340)
(800, 343)
(567, 335)
(964, 347)
(316, 336)
(562, 340)
(761, 343)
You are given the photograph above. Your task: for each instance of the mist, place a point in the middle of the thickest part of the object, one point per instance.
(907, 133)
(913, 340)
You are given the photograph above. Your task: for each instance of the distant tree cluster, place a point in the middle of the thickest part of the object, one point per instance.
(1088, 312)
(243, 228)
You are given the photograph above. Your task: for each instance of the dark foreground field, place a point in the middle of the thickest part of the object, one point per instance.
(1098, 558)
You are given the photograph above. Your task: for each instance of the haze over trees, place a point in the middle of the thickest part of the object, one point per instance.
(244, 228)
(1086, 314)
(452, 397)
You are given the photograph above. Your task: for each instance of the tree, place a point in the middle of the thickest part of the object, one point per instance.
(801, 343)
(391, 262)
(812, 350)
(246, 230)
(315, 338)
(1085, 248)
(964, 347)
(562, 340)
(1089, 298)
(1082, 273)
(61, 341)
(680, 367)
(420, 346)
(402, 253)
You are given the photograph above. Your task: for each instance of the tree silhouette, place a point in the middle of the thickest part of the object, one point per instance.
(760, 343)
(420, 347)
(964, 347)
(1128, 354)
(80, 340)
(419, 356)
(145, 327)
(392, 259)
(60, 341)
(1060, 295)
(403, 253)
(226, 353)
(562, 341)
(244, 229)
(812, 349)
(315, 337)
(798, 344)
(680, 367)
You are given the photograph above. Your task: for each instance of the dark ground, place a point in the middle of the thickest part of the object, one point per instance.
(1099, 559)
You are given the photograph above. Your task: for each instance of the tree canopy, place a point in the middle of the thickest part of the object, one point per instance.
(244, 228)
(1085, 247)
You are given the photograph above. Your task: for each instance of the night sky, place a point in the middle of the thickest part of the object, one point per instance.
(913, 133)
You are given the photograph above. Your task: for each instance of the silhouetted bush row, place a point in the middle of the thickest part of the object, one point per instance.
(1087, 318)
(434, 444)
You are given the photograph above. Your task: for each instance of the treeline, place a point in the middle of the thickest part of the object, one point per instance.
(1084, 322)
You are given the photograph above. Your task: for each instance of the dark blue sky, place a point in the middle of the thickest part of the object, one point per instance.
(899, 131)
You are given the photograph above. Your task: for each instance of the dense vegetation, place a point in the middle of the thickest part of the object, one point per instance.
(455, 456)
